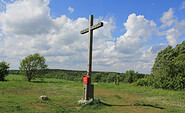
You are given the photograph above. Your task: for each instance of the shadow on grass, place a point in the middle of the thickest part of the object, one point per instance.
(148, 105)
(97, 104)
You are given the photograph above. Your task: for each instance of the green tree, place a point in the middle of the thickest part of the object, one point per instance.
(179, 63)
(163, 56)
(33, 66)
(3, 70)
(121, 77)
(129, 76)
(111, 77)
(168, 71)
(97, 77)
(117, 80)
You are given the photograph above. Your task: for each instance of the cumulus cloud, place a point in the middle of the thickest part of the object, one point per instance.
(26, 17)
(168, 18)
(126, 52)
(139, 31)
(172, 36)
(171, 27)
(70, 9)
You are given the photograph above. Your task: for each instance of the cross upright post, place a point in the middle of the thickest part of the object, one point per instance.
(89, 62)
(88, 88)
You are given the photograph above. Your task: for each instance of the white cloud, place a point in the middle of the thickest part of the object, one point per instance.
(70, 9)
(171, 27)
(126, 53)
(182, 6)
(26, 17)
(139, 31)
(172, 36)
(168, 18)
(156, 48)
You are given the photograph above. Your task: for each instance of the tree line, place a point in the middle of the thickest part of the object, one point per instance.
(106, 77)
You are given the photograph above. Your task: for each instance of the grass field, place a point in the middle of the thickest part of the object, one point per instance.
(17, 95)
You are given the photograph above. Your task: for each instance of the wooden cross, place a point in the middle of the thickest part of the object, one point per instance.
(89, 89)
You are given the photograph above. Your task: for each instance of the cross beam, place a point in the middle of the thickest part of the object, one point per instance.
(88, 88)
(92, 28)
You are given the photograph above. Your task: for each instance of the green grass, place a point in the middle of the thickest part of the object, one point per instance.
(11, 77)
(19, 96)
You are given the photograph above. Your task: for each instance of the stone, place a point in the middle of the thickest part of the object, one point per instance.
(88, 102)
(84, 102)
(43, 97)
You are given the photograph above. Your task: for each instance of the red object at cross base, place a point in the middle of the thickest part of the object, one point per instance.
(86, 79)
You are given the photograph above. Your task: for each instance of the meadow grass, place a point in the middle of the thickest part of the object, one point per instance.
(20, 96)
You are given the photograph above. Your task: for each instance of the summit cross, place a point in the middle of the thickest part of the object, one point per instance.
(88, 88)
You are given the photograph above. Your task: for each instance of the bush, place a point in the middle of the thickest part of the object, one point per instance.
(3, 70)
(142, 82)
(131, 76)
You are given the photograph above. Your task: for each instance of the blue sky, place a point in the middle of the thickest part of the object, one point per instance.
(134, 32)
(120, 9)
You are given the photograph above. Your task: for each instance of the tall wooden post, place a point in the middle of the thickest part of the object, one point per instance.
(89, 62)
(88, 88)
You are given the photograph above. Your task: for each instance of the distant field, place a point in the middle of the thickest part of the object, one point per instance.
(17, 95)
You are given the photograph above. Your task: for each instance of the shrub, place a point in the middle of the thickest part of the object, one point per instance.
(142, 82)
(3, 70)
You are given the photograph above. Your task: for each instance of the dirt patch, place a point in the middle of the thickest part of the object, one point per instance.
(39, 106)
(64, 87)
(95, 83)
(78, 107)
(12, 80)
